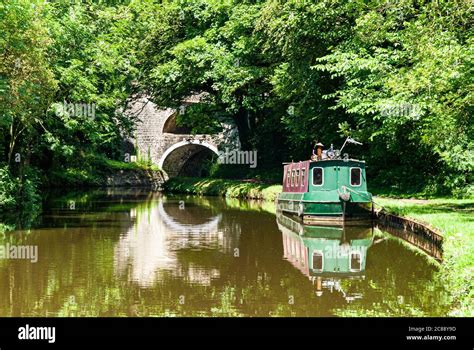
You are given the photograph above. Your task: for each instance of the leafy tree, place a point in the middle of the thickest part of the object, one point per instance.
(27, 82)
(407, 84)
(396, 75)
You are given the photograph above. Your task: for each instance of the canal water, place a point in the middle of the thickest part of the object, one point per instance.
(136, 253)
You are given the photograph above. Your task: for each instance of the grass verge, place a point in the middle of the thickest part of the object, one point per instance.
(455, 219)
(224, 188)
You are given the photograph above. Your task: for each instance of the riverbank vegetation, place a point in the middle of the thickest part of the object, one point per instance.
(223, 188)
(453, 218)
(394, 75)
(65, 77)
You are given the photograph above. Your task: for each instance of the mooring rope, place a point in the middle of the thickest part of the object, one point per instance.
(366, 196)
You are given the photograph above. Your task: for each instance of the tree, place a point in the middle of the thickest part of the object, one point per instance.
(27, 80)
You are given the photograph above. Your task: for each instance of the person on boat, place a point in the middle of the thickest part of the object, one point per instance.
(317, 151)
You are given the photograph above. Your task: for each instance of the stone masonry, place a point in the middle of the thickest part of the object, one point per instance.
(158, 139)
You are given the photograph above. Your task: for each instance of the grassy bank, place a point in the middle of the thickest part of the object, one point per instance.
(454, 218)
(224, 188)
(92, 171)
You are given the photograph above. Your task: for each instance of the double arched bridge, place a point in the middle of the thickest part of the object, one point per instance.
(173, 148)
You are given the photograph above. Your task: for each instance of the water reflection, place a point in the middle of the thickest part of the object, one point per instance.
(150, 246)
(134, 253)
(143, 249)
(325, 254)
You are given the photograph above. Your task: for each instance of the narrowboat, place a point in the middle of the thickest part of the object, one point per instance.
(327, 188)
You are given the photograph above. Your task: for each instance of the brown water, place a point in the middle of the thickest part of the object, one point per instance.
(134, 253)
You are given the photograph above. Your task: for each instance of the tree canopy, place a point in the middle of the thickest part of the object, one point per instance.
(397, 75)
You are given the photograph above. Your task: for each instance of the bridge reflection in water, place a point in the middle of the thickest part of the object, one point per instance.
(161, 229)
(326, 254)
(136, 253)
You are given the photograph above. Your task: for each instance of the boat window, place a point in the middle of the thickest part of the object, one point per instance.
(317, 176)
(355, 176)
(317, 261)
(297, 177)
(355, 261)
(292, 178)
(288, 178)
(303, 171)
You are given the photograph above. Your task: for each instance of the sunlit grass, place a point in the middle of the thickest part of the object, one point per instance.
(454, 218)
(451, 216)
(118, 165)
(223, 188)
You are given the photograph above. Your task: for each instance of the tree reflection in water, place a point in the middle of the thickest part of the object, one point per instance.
(127, 253)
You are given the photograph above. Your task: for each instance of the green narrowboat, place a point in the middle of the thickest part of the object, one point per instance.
(326, 189)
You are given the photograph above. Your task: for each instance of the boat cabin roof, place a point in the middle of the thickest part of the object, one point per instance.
(326, 160)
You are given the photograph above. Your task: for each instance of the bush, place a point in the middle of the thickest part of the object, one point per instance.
(9, 187)
(20, 193)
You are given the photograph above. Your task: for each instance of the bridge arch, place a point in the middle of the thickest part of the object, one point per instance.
(170, 125)
(158, 139)
(178, 158)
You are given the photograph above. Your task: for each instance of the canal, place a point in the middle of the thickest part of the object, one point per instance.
(138, 253)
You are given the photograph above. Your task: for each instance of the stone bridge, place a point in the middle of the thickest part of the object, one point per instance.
(173, 148)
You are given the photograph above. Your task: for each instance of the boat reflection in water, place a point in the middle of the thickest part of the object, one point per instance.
(327, 255)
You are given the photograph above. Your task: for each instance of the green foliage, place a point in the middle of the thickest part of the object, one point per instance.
(236, 171)
(56, 54)
(19, 192)
(395, 75)
(114, 164)
(20, 202)
(99, 72)
(407, 83)
(8, 189)
(91, 170)
(27, 79)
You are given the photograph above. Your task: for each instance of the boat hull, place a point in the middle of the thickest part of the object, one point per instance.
(329, 212)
